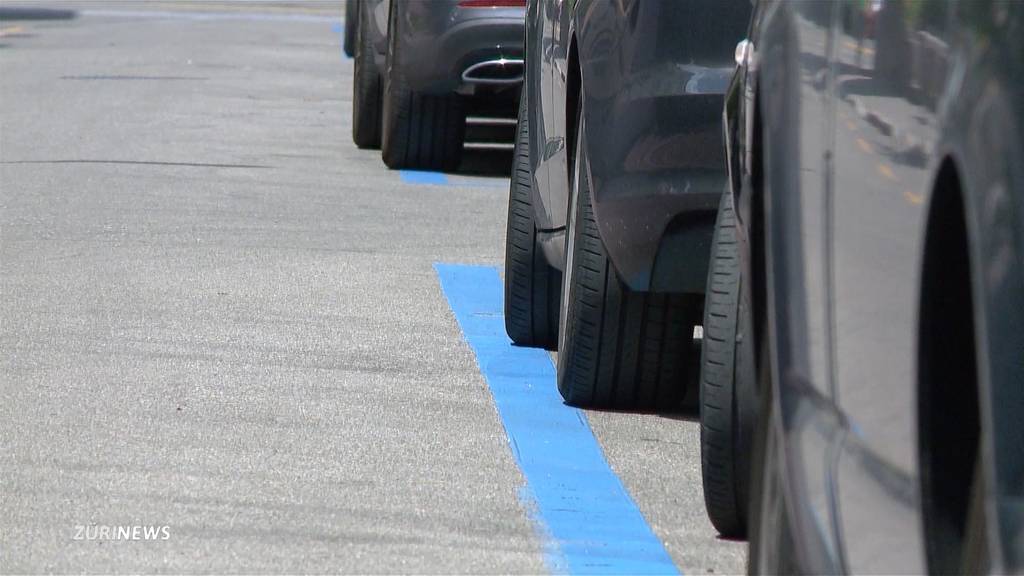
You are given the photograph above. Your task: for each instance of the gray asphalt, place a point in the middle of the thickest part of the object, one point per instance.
(219, 316)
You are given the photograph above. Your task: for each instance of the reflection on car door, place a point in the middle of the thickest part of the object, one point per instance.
(553, 27)
(793, 45)
(889, 59)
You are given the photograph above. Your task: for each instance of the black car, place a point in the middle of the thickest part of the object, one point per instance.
(618, 175)
(422, 66)
(876, 152)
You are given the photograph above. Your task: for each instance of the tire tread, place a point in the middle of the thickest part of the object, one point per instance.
(627, 350)
(532, 285)
(724, 493)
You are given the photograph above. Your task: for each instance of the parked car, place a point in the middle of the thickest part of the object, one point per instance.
(618, 174)
(877, 177)
(421, 67)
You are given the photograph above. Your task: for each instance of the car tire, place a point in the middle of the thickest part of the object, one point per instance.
(351, 11)
(366, 94)
(617, 348)
(421, 131)
(532, 285)
(727, 416)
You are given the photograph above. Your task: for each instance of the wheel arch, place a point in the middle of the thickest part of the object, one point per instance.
(949, 390)
(573, 96)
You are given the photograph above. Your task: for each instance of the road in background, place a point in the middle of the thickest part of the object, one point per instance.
(220, 316)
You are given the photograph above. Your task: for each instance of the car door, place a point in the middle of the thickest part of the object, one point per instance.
(889, 63)
(791, 50)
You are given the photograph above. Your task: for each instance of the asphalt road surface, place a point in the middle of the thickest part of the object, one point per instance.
(222, 320)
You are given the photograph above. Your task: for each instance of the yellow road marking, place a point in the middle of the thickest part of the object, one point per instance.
(11, 30)
(850, 124)
(864, 146)
(867, 50)
(886, 170)
(913, 198)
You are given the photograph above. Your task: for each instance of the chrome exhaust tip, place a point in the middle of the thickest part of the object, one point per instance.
(500, 71)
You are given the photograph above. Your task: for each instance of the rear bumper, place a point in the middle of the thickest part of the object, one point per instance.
(659, 176)
(440, 41)
(653, 104)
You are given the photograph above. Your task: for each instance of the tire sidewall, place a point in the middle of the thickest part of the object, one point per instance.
(392, 81)
(351, 26)
(723, 468)
(366, 92)
(579, 185)
(515, 190)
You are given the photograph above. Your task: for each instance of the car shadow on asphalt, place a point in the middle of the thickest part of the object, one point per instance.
(686, 412)
(488, 162)
(23, 13)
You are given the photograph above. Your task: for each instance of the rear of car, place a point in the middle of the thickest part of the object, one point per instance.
(469, 47)
(653, 117)
(619, 170)
(429, 65)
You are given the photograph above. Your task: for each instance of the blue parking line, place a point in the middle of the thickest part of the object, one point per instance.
(424, 177)
(583, 514)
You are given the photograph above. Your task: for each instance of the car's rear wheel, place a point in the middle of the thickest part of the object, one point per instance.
(727, 403)
(366, 95)
(617, 348)
(532, 285)
(421, 131)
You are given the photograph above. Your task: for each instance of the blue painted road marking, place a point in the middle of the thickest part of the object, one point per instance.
(461, 181)
(587, 520)
(424, 177)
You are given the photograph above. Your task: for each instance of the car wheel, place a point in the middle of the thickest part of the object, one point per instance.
(366, 95)
(727, 402)
(349, 45)
(532, 285)
(617, 348)
(421, 131)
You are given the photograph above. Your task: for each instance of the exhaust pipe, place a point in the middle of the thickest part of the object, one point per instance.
(500, 71)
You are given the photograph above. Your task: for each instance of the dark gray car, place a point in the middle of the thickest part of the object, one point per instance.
(618, 175)
(422, 66)
(877, 153)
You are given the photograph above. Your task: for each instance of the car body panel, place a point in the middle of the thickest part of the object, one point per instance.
(651, 78)
(907, 101)
(373, 14)
(792, 44)
(882, 181)
(441, 39)
(908, 89)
